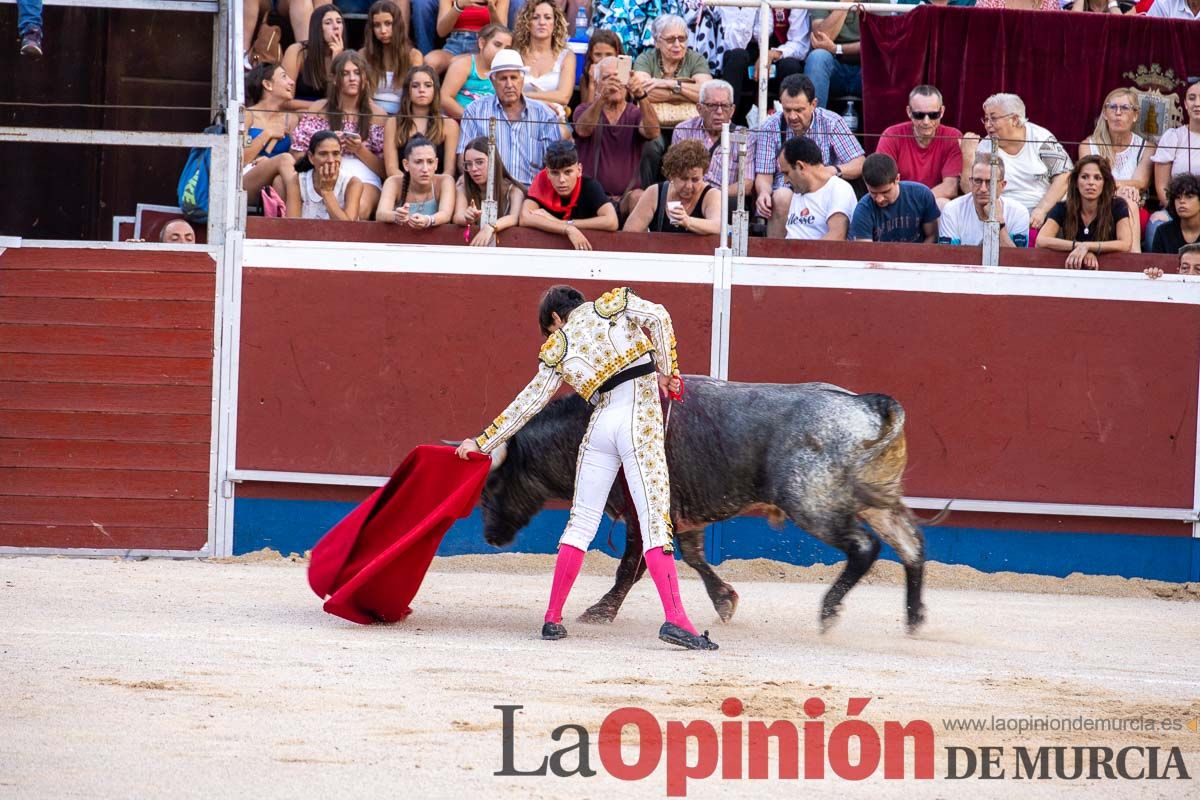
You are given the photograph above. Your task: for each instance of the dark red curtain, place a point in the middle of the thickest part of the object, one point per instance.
(1062, 64)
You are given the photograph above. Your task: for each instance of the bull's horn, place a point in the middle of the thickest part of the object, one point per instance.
(498, 456)
(451, 442)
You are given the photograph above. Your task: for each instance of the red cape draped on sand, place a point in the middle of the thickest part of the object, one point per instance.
(371, 564)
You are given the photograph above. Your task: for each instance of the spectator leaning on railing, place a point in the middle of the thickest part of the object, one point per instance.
(962, 220)
(561, 200)
(1091, 220)
(893, 210)
(611, 132)
(822, 203)
(925, 150)
(319, 189)
(716, 108)
(684, 202)
(472, 193)
(801, 117)
(1189, 262)
(1035, 164)
(524, 128)
(418, 197)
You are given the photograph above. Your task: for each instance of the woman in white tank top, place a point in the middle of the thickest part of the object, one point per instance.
(1127, 154)
(540, 36)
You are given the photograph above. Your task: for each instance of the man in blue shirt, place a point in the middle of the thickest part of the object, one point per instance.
(524, 127)
(893, 210)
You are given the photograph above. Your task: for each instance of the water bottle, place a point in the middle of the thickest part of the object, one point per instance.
(581, 25)
(850, 116)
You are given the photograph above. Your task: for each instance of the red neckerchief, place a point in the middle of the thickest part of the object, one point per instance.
(543, 192)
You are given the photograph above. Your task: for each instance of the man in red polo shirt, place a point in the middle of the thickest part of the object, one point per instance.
(925, 150)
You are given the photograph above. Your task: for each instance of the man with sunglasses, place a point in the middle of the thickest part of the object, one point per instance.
(925, 150)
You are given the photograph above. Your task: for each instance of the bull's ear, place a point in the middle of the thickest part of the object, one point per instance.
(498, 456)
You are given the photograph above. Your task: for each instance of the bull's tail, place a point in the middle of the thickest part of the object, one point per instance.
(878, 476)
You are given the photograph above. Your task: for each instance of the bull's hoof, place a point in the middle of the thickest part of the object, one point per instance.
(916, 618)
(598, 614)
(726, 604)
(829, 617)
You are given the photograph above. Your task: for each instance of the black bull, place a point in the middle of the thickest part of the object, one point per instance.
(814, 453)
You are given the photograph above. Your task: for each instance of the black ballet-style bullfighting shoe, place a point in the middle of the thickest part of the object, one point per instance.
(673, 634)
(553, 630)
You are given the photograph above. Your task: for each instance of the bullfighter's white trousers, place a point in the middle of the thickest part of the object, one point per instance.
(626, 429)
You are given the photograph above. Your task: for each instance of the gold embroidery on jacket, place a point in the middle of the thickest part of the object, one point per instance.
(612, 303)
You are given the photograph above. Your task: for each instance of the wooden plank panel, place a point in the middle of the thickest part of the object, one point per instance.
(192, 314)
(54, 368)
(104, 511)
(87, 259)
(77, 340)
(114, 537)
(103, 455)
(128, 285)
(20, 396)
(145, 484)
(107, 426)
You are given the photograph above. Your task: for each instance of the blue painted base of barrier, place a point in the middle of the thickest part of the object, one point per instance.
(293, 526)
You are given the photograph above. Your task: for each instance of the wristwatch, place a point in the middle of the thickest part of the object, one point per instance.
(838, 169)
(837, 50)
(678, 87)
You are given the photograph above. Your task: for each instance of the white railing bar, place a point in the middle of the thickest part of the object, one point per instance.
(120, 138)
(309, 478)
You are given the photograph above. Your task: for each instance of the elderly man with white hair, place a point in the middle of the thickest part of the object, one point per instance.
(1036, 166)
(611, 131)
(524, 127)
(716, 108)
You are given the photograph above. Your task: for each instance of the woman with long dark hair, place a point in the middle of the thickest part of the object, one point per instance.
(318, 188)
(421, 115)
(1092, 220)
(349, 112)
(602, 45)
(472, 191)
(310, 63)
(266, 147)
(418, 197)
(389, 53)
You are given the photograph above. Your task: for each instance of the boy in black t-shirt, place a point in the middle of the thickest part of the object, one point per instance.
(561, 200)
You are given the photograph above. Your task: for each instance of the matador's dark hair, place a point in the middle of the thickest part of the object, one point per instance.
(560, 299)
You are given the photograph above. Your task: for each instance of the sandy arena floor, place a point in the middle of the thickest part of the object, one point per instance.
(182, 679)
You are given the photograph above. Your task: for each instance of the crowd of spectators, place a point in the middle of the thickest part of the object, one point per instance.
(397, 131)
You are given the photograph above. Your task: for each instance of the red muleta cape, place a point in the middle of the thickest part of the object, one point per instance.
(371, 564)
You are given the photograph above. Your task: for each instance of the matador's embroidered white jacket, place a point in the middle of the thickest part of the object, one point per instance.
(598, 340)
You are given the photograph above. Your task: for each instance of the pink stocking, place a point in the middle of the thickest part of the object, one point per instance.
(666, 580)
(566, 570)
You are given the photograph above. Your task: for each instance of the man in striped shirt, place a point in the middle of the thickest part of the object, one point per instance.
(801, 117)
(524, 127)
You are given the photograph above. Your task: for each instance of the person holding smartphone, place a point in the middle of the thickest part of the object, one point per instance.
(610, 132)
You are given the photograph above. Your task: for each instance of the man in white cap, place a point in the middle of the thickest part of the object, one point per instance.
(524, 127)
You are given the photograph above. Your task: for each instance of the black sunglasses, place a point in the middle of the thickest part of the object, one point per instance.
(926, 115)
